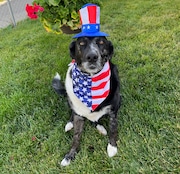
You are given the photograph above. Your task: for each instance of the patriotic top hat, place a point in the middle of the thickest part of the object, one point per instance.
(90, 21)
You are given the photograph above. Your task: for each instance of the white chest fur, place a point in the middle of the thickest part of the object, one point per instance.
(78, 106)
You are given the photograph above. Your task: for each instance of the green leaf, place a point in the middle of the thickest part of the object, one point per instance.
(56, 26)
(63, 12)
(70, 23)
(74, 15)
(54, 2)
(64, 21)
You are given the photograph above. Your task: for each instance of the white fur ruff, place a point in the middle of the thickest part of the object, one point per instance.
(78, 106)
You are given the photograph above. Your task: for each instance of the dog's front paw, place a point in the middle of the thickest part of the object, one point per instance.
(101, 129)
(111, 150)
(65, 162)
(68, 126)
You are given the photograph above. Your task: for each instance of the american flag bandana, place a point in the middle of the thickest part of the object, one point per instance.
(91, 90)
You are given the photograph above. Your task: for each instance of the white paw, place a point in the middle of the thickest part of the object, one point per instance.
(65, 162)
(68, 126)
(101, 129)
(111, 150)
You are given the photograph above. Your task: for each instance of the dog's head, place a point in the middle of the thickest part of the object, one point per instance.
(91, 53)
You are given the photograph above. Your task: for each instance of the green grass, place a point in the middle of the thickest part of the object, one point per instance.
(146, 37)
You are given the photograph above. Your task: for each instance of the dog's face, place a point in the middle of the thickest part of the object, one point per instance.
(91, 53)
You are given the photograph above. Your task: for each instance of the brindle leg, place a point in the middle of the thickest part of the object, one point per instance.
(113, 134)
(78, 123)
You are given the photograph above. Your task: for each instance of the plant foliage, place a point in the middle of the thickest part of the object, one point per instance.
(61, 12)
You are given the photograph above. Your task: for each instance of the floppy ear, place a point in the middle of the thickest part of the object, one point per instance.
(111, 49)
(72, 49)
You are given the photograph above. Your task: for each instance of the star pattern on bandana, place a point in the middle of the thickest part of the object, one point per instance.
(91, 90)
(82, 87)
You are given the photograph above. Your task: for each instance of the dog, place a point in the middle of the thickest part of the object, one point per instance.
(91, 59)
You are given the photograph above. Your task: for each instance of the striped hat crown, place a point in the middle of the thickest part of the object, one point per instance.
(90, 21)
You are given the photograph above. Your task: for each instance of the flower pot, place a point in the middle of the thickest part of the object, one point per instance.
(67, 30)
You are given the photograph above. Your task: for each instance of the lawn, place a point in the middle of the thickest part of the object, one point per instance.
(146, 37)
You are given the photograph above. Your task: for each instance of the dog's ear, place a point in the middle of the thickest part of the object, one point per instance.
(111, 49)
(72, 49)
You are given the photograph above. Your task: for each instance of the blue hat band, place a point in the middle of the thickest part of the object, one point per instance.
(90, 28)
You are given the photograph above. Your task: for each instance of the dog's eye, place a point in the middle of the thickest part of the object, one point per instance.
(101, 42)
(82, 43)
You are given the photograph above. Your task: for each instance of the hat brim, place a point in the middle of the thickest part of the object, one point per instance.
(96, 34)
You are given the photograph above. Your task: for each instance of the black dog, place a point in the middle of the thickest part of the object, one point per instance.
(92, 60)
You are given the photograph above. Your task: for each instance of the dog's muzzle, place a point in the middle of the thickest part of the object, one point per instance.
(92, 59)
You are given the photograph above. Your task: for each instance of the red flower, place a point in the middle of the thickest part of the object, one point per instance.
(34, 138)
(38, 7)
(32, 11)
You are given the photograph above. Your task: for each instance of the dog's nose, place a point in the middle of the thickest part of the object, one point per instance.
(92, 57)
